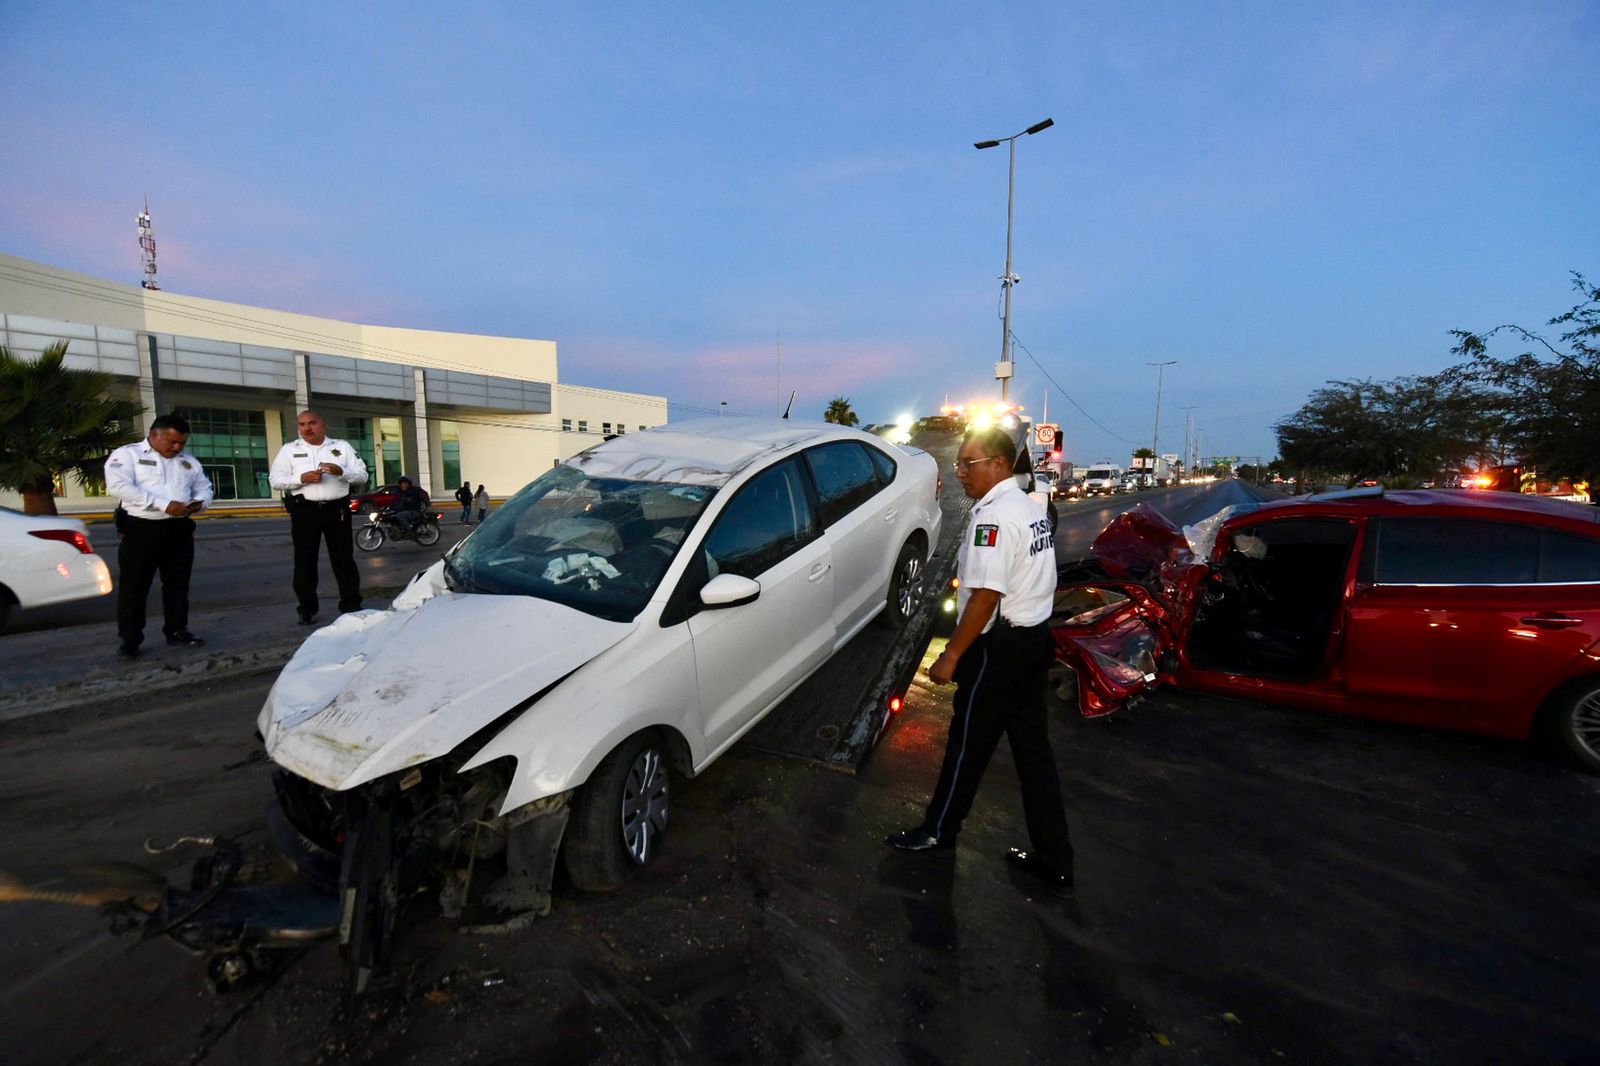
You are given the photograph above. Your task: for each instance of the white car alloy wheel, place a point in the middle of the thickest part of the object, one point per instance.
(906, 586)
(619, 816)
(644, 804)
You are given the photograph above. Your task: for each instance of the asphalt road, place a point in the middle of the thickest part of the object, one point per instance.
(1255, 885)
(243, 562)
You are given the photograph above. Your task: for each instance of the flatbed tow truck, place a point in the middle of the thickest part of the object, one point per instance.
(248, 929)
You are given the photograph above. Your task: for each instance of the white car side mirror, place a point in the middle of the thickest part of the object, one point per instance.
(729, 590)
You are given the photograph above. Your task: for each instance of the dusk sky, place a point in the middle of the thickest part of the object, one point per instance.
(1274, 195)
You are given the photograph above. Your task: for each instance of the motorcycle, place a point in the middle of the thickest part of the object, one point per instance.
(385, 525)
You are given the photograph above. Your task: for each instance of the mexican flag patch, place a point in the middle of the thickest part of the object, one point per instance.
(986, 537)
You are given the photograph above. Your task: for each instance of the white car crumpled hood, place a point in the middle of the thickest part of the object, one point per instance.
(378, 691)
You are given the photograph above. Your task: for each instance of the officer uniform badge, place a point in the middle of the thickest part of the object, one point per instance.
(335, 452)
(185, 464)
(986, 537)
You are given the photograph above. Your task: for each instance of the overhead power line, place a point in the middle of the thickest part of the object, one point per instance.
(1068, 395)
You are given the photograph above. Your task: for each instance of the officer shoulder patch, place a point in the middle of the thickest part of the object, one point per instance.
(335, 452)
(986, 537)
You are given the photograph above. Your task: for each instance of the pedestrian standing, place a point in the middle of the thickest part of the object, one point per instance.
(464, 498)
(482, 501)
(315, 474)
(999, 657)
(159, 487)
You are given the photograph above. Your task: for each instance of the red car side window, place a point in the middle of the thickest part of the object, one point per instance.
(1451, 551)
(1568, 559)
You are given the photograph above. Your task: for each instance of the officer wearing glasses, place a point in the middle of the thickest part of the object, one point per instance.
(998, 658)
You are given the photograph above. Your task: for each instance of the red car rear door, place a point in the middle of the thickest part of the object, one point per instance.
(1469, 623)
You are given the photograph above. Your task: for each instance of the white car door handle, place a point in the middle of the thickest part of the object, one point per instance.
(819, 571)
(890, 514)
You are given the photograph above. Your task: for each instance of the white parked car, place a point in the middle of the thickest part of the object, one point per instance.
(637, 608)
(46, 559)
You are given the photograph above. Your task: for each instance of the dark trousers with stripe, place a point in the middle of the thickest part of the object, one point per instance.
(1000, 689)
(312, 523)
(149, 547)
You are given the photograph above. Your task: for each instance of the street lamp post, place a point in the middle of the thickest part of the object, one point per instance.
(1155, 442)
(1008, 279)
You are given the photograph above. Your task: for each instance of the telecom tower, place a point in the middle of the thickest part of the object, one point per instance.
(147, 241)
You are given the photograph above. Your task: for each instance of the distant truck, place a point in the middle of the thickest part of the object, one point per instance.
(1153, 472)
(1102, 479)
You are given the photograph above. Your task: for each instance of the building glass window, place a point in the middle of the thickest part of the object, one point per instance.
(605, 427)
(566, 425)
(643, 428)
(389, 445)
(583, 425)
(358, 432)
(232, 448)
(450, 452)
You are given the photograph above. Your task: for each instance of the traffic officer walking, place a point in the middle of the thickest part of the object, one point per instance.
(315, 473)
(999, 657)
(159, 486)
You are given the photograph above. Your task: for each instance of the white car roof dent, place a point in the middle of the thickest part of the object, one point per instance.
(706, 451)
(378, 691)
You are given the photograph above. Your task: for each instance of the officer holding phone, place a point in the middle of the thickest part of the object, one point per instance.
(160, 487)
(315, 474)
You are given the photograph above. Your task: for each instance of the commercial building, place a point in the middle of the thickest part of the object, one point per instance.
(439, 407)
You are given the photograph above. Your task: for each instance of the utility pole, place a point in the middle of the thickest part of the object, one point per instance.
(1155, 441)
(1188, 439)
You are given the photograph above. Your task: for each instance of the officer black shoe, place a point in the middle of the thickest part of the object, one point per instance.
(920, 839)
(127, 650)
(185, 638)
(307, 617)
(1053, 876)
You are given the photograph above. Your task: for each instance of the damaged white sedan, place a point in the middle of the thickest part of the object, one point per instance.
(628, 615)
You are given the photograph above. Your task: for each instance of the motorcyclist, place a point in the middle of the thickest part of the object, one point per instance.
(408, 504)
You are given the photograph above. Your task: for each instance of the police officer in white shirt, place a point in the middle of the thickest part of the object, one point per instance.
(999, 658)
(315, 473)
(158, 486)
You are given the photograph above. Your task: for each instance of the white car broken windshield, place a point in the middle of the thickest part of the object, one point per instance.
(600, 545)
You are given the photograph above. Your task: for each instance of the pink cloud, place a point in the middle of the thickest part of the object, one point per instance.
(747, 377)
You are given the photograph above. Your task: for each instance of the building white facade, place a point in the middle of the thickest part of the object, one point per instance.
(439, 407)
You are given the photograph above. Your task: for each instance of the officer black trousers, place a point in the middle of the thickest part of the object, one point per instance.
(1000, 687)
(148, 547)
(326, 521)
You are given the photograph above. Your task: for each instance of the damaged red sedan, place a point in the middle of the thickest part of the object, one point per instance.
(1456, 610)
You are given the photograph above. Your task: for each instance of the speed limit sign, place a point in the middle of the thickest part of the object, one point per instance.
(1045, 433)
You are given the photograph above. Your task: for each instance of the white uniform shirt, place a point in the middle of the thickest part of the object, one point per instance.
(146, 481)
(297, 457)
(1008, 548)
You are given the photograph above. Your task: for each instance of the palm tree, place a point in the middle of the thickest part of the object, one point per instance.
(56, 420)
(839, 412)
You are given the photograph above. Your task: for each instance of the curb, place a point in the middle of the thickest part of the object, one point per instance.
(156, 677)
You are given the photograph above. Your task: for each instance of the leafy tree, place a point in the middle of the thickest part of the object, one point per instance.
(56, 420)
(1547, 399)
(1406, 431)
(839, 412)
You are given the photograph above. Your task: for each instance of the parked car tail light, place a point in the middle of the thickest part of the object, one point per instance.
(895, 704)
(355, 505)
(66, 536)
